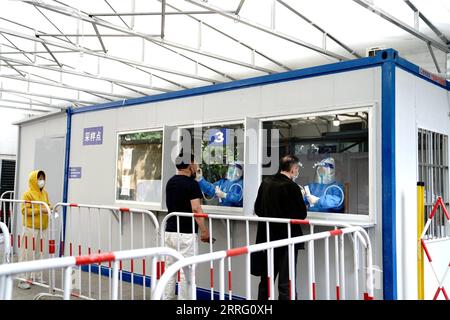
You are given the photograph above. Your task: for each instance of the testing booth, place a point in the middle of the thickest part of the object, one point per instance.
(382, 120)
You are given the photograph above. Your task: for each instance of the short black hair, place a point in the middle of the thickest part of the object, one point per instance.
(288, 161)
(40, 172)
(181, 162)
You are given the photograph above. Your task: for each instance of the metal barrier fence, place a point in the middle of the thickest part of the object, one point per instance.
(339, 250)
(8, 271)
(269, 247)
(423, 242)
(87, 229)
(6, 243)
(33, 240)
(6, 215)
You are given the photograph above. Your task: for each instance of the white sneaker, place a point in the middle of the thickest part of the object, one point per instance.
(24, 285)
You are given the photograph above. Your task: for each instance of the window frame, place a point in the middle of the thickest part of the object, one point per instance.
(431, 173)
(357, 219)
(153, 205)
(219, 209)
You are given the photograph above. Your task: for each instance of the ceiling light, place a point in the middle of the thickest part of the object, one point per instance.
(336, 121)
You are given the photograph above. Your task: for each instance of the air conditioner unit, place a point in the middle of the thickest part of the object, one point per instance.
(372, 51)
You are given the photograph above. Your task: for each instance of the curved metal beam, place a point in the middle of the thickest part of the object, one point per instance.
(329, 35)
(64, 86)
(114, 81)
(42, 95)
(383, 14)
(268, 30)
(428, 22)
(106, 24)
(105, 56)
(233, 38)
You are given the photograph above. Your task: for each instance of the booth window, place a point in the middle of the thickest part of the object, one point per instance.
(139, 166)
(334, 153)
(433, 171)
(221, 153)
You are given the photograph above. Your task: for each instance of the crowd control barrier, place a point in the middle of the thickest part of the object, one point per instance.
(439, 205)
(359, 237)
(36, 239)
(66, 264)
(6, 215)
(269, 247)
(88, 229)
(6, 240)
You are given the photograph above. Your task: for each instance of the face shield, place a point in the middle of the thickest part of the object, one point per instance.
(234, 172)
(325, 171)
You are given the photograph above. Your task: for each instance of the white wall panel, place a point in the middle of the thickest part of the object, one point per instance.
(232, 104)
(419, 104)
(178, 111)
(140, 116)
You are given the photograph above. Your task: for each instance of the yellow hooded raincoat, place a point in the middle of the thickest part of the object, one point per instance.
(34, 194)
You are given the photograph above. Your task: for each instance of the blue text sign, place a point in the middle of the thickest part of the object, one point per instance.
(74, 172)
(92, 136)
(218, 137)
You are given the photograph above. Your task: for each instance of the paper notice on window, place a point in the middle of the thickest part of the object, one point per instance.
(125, 190)
(127, 158)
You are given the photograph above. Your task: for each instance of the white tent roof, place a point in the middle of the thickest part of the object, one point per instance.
(60, 53)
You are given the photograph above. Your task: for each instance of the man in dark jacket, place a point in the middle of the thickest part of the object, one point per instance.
(278, 197)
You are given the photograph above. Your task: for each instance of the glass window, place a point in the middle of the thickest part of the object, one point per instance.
(222, 165)
(139, 166)
(334, 153)
(433, 171)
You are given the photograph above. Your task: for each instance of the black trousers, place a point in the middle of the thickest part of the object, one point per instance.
(281, 270)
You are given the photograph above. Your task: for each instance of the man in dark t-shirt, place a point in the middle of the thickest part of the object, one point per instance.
(183, 194)
(180, 190)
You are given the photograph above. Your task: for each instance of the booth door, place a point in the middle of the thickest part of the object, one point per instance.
(49, 157)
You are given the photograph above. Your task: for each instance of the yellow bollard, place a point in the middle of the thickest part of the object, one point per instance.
(420, 225)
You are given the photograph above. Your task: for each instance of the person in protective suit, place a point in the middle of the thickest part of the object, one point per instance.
(35, 223)
(325, 194)
(229, 190)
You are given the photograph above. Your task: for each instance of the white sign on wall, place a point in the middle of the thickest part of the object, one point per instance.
(126, 182)
(127, 158)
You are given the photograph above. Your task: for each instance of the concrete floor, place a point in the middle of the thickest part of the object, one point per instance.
(127, 292)
(92, 286)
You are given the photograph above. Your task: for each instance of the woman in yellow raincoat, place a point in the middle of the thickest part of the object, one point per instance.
(35, 223)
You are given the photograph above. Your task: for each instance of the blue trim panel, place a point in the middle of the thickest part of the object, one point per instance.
(205, 294)
(244, 83)
(202, 294)
(263, 80)
(66, 170)
(388, 177)
(415, 70)
(126, 275)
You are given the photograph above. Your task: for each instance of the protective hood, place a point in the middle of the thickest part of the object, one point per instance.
(33, 181)
(31, 213)
(325, 171)
(235, 171)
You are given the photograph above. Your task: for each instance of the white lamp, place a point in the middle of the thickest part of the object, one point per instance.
(336, 121)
